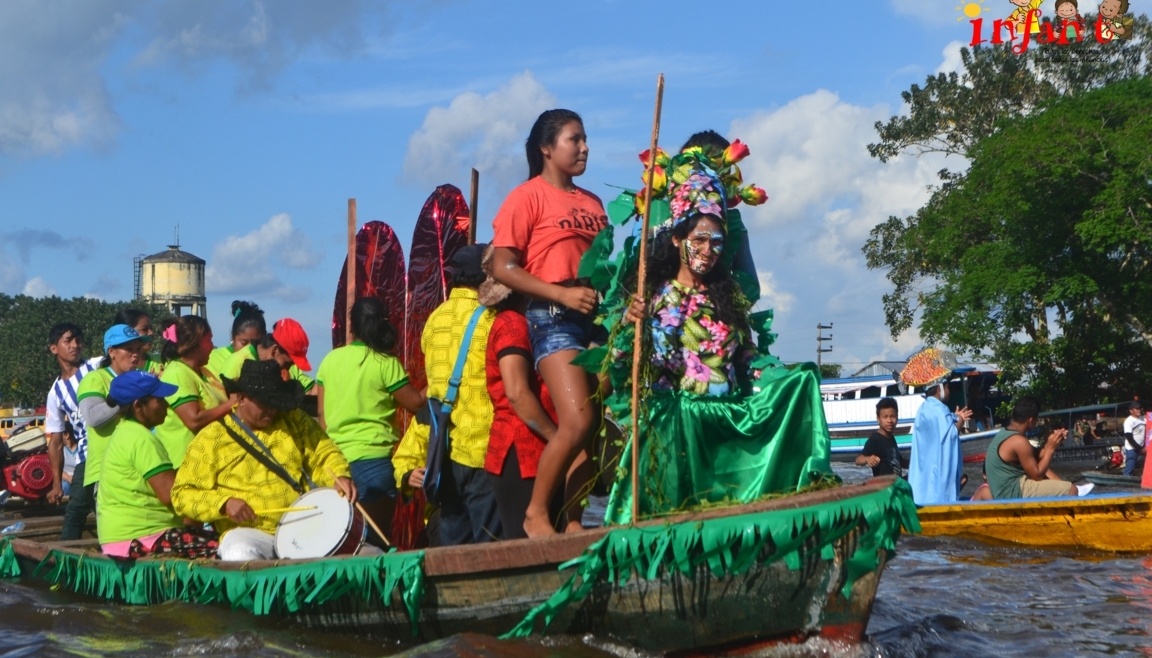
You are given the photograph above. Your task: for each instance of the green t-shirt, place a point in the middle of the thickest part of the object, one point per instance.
(359, 409)
(96, 384)
(190, 387)
(129, 508)
(231, 368)
(218, 357)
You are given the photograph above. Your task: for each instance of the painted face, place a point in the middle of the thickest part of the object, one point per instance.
(68, 348)
(701, 248)
(886, 418)
(569, 154)
(246, 338)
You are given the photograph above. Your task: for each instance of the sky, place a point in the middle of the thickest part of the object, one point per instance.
(249, 124)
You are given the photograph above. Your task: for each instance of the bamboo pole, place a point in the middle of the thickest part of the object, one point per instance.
(350, 274)
(641, 277)
(472, 200)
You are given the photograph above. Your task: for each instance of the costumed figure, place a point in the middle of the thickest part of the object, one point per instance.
(721, 419)
(1019, 16)
(1112, 22)
(936, 464)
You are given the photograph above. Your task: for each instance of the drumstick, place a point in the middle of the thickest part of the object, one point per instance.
(284, 510)
(360, 508)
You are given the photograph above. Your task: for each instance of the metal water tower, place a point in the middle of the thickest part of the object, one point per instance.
(172, 278)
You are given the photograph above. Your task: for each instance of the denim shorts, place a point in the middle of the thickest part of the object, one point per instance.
(555, 328)
(374, 478)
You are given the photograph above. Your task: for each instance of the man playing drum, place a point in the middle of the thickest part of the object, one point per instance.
(243, 471)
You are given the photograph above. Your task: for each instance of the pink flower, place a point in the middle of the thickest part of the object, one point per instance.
(694, 368)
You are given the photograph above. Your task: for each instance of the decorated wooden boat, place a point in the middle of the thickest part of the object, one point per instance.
(725, 580)
(1115, 522)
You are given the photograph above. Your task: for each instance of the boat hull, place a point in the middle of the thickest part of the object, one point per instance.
(816, 588)
(1119, 523)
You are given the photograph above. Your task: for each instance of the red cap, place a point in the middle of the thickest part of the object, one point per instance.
(290, 336)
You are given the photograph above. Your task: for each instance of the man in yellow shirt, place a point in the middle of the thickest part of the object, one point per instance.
(223, 482)
(468, 509)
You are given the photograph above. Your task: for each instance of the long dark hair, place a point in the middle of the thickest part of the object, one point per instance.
(370, 324)
(129, 316)
(730, 303)
(190, 330)
(245, 315)
(544, 133)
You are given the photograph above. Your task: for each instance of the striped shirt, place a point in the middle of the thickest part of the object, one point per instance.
(63, 406)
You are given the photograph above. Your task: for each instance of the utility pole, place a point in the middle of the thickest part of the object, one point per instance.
(820, 338)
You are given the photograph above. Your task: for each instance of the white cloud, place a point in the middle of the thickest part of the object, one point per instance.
(485, 132)
(250, 264)
(951, 58)
(38, 287)
(770, 294)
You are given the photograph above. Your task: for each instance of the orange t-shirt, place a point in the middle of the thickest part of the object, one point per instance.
(551, 228)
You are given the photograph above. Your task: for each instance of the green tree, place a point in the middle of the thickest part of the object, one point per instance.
(27, 369)
(1038, 252)
(830, 370)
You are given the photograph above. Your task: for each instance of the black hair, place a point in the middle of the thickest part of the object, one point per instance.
(61, 329)
(190, 330)
(268, 342)
(466, 279)
(1026, 407)
(370, 324)
(886, 403)
(544, 133)
(129, 316)
(709, 140)
(245, 315)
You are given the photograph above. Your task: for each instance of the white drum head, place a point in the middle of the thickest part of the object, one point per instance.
(314, 532)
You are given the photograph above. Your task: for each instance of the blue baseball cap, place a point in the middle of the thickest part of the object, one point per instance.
(136, 384)
(119, 334)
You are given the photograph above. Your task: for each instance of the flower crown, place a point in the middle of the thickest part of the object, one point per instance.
(697, 181)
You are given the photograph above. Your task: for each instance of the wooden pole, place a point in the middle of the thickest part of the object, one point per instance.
(472, 200)
(641, 283)
(350, 275)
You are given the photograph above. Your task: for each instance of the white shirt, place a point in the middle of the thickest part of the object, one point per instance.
(62, 406)
(1135, 427)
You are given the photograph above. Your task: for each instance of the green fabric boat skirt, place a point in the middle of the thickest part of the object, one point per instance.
(699, 450)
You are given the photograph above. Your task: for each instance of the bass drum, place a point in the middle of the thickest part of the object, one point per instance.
(332, 527)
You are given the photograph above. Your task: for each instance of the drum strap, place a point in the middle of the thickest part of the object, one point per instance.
(263, 454)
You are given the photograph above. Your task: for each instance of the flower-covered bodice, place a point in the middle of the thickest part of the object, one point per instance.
(692, 350)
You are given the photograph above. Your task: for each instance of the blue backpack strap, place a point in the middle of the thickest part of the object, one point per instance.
(458, 369)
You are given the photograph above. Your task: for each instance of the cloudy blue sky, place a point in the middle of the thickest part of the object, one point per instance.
(250, 123)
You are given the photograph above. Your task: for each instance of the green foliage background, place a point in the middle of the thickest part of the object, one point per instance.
(27, 369)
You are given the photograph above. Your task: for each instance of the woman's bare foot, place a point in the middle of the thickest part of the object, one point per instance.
(536, 527)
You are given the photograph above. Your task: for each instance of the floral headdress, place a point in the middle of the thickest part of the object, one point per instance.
(697, 182)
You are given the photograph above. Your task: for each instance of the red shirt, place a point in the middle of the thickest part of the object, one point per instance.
(509, 335)
(551, 228)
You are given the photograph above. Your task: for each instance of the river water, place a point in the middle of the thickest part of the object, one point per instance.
(938, 597)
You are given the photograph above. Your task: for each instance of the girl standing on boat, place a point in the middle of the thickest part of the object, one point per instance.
(125, 349)
(136, 516)
(540, 233)
(523, 416)
(198, 398)
(248, 326)
(360, 386)
(718, 421)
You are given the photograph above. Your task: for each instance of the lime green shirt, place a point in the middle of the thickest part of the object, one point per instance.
(129, 508)
(218, 357)
(359, 409)
(191, 386)
(232, 367)
(96, 383)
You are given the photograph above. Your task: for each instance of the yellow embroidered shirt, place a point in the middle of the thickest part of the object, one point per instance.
(216, 468)
(472, 413)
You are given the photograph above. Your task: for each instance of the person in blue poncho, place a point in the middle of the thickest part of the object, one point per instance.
(936, 464)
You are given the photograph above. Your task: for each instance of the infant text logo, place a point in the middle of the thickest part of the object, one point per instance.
(1029, 23)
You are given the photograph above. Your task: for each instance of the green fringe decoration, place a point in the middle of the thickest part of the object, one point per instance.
(286, 588)
(9, 567)
(731, 545)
